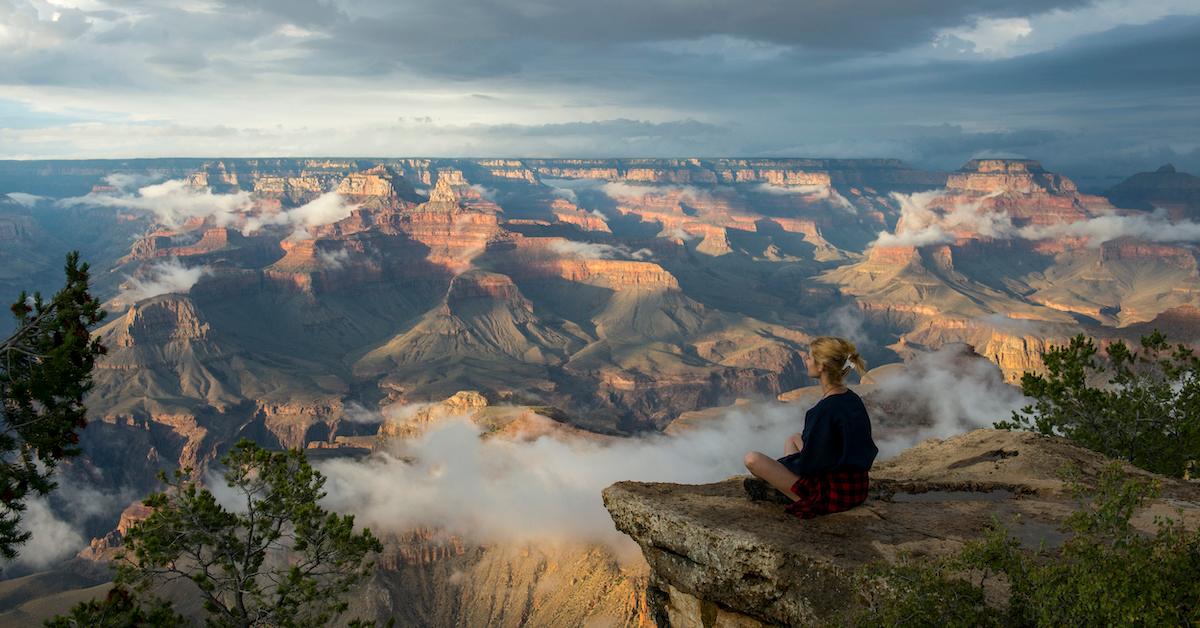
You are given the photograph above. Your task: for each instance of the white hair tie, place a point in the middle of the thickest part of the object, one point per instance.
(848, 365)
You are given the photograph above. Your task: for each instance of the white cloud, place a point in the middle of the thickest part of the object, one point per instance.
(53, 539)
(848, 322)
(1007, 37)
(957, 392)
(327, 208)
(169, 276)
(24, 199)
(333, 259)
(548, 489)
(126, 181)
(992, 37)
(596, 250)
(57, 521)
(678, 233)
(566, 193)
(1155, 227)
(811, 193)
(620, 189)
(924, 220)
(172, 202)
(934, 218)
(484, 191)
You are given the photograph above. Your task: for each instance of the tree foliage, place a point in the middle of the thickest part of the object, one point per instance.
(45, 371)
(277, 559)
(1107, 573)
(119, 609)
(1145, 408)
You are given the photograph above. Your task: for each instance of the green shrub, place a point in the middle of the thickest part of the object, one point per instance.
(1139, 406)
(1106, 574)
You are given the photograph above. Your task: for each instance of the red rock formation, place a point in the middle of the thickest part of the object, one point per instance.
(105, 548)
(296, 190)
(508, 169)
(482, 285)
(377, 182)
(160, 320)
(616, 274)
(300, 257)
(1132, 250)
(413, 422)
(891, 257)
(1023, 176)
(215, 239)
(566, 212)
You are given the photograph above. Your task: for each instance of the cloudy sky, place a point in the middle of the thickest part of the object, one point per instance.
(1092, 88)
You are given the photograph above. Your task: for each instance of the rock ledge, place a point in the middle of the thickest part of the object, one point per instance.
(718, 559)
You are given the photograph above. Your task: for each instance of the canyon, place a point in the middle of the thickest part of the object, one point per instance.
(306, 302)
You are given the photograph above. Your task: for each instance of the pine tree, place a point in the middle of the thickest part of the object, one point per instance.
(45, 371)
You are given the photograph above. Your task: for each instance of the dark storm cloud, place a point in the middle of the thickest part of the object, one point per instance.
(1162, 54)
(848, 24)
(935, 82)
(480, 37)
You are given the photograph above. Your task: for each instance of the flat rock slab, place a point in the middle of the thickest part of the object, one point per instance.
(712, 543)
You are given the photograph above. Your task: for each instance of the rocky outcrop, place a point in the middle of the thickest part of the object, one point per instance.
(378, 182)
(294, 190)
(105, 548)
(717, 558)
(883, 173)
(609, 273)
(163, 319)
(1177, 192)
(414, 421)
(1139, 251)
(567, 212)
(1024, 176)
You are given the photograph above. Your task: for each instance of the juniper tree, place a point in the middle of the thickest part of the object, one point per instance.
(276, 559)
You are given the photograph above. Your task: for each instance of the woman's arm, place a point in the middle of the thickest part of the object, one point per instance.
(794, 444)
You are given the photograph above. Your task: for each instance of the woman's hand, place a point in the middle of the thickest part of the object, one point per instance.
(794, 444)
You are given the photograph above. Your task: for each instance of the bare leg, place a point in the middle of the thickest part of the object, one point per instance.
(793, 445)
(775, 474)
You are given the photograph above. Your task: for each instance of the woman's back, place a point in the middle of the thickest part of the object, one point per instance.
(837, 436)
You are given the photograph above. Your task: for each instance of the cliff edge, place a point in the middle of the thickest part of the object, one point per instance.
(719, 559)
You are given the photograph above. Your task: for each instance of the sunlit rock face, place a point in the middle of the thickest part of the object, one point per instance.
(1022, 190)
(1023, 176)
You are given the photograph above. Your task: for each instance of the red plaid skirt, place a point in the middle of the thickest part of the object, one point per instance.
(830, 492)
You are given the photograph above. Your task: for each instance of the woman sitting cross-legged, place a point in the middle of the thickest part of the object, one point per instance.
(824, 469)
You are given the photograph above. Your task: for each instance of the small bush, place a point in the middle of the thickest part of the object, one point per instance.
(1106, 574)
(1142, 407)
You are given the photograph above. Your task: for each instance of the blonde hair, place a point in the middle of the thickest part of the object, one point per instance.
(830, 353)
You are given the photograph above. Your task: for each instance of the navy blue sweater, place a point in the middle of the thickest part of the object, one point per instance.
(837, 437)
